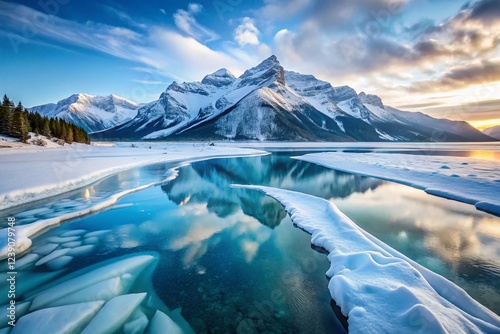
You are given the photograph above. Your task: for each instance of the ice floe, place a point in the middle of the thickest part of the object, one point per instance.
(113, 296)
(82, 250)
(73, 233)
(28, 259)
(104, 290)
(66, 319)
(78, 281)
(21, 309)
(72, 244)
(137, 325)
(162, 323)
(468, 180)
(60, 262)
(54, 255)
(91, 240)
(114, 314)
(377, 288)
(96, 233)
(46, 249)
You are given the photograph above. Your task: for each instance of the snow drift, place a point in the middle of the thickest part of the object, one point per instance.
(379, 289)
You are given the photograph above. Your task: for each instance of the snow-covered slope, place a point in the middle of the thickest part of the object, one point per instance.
(257, 106)
(493, 132)
(93, 113)
(269, 103)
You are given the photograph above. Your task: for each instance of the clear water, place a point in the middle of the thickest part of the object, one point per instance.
(232, 259)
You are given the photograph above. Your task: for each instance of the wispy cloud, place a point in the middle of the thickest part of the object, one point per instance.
(186, 22)
(150, 82)
(486, 71)
(124, 17)
(159, 49)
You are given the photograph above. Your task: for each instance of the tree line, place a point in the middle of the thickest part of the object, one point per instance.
(17, 122)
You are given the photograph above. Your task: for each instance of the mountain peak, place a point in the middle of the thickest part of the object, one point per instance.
(269, 68)
(78, 97)
(223, 72)
(371, 99)
(273, 58)
(219, 78)
(272, 61)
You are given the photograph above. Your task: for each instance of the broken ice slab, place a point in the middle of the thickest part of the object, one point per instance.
(63, 319)
(114, 314)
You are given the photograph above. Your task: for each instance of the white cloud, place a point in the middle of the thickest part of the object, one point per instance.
(185, 21)
(195, 8)
(247, 32)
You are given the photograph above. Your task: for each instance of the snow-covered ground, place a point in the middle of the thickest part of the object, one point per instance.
(473, 181)
(29, 172)
(377, 288)
(7, 142)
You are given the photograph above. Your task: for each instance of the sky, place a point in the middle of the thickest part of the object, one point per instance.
(441, 57)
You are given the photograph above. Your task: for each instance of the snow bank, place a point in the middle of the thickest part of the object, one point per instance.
(377, 288)
(472, 181)
(28, 174)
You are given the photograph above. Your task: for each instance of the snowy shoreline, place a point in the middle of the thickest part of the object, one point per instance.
(30, 174)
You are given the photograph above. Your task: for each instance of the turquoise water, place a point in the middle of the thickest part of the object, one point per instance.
(232, 259)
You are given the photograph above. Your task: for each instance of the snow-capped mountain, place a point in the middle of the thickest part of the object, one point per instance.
(93, 113)
(269, 103)
(493, 132)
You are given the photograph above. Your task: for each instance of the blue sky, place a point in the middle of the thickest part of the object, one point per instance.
(438, 56)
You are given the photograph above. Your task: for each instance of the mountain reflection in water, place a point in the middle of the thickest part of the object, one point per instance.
(209, 183)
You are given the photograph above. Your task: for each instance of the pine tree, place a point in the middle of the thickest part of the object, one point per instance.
(70, 135)
(64, 131)
(6, 113)
(4, 120)
(46, 127)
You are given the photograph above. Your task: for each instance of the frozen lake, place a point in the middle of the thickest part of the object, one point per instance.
(232, 259)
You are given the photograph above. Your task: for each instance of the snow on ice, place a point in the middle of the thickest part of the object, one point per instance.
(379, 289)
(468, 180)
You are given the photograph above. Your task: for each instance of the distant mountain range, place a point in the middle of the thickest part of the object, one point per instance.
(268, 103)
(93, 113)
(494, 132)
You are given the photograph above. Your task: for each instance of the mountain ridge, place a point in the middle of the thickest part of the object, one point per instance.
(91, 112)
(493, 131)
(269, 103)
